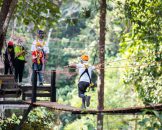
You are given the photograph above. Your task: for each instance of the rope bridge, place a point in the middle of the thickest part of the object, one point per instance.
(56, 106)
(53, 105)
(75, 110)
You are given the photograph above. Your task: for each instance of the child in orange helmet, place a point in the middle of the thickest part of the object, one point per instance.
(85, 72)
(37, 59)
(44, 46)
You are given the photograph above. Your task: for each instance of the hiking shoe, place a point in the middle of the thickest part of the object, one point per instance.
(88, 101)
(20, 84)
(40, 84)
(83, 103)
(83, 106)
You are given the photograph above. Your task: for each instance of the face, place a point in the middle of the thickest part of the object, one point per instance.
(39, 48)
(20, 42)
(10, 48)
(41, 36)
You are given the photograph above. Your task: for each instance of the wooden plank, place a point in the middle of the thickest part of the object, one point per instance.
(27, 94)
(29, 85)
(43, 91)
(11, 102)
(15, 106)
(6, 77)
(43, 88)
(11, 89)
(10, 95)
(7, 81)
(117, 111)
(7, 93)
(54, 105)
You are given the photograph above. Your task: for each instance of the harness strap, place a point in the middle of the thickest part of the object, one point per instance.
(44, 55)
(86, 71)
(38, 60)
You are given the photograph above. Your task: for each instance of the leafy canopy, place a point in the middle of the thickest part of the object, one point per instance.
(141, 44)
(39, 14)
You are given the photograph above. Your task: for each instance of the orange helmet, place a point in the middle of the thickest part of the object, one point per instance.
(38, 44)
(85, 57)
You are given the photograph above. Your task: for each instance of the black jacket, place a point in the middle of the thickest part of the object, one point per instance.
(9, 56)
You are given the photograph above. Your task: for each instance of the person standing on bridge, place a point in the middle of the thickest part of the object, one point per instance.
(9, 57)
(37, 59)
(20, 54)
(85, 81)
(44, 46)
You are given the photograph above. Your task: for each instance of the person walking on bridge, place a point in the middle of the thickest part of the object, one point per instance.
(85, 71)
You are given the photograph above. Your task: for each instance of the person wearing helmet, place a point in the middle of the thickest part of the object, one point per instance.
(9, 57)
(85, 72)
(45, 48)
(40, 39)
(20, 54)
(37, 59)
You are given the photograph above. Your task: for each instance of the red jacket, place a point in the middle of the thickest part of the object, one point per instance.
(37, 57)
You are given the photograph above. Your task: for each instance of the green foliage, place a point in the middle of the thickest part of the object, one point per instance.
(1, 3)
(67, 118)
(38, 119)
(141, 45)
(42, 13)
(114, 27)
(151, 122)
(117, 95)
(82, 124)
(10, 123)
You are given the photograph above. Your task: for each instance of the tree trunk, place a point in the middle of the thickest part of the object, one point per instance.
(102, 59)
(9, 15)
(6, 13)
(3, 15)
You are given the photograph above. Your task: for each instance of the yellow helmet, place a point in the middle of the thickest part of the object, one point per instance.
(85, 57)
(38, 44)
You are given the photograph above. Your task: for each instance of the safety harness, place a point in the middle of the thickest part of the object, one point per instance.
(38, 55)
(91, 84)
(43, 44)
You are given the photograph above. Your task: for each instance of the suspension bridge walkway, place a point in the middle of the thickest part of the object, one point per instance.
(116, 111)
(8, 89)
(33, 91)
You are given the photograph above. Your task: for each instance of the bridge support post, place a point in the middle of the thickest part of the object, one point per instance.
(34, 85)
(53, 86)
(25, 116)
